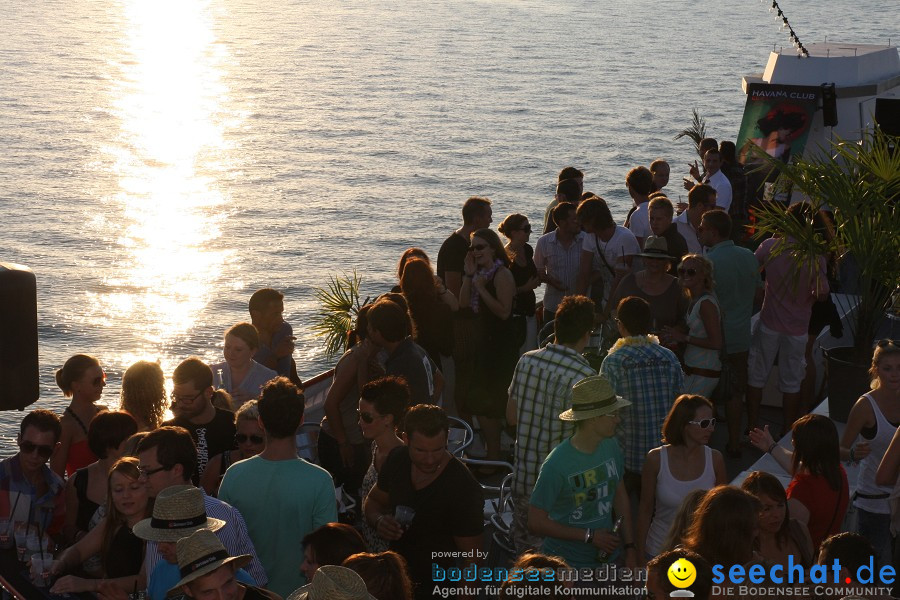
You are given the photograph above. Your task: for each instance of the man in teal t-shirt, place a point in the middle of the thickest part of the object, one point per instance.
(282, 497)
(578, 495)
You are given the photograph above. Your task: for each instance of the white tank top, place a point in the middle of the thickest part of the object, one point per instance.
(865, 484)
(669, 494)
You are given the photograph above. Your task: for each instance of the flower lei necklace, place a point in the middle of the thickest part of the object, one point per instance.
(488, 275)
(634, 340)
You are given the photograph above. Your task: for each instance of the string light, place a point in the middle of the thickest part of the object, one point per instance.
(782, 18)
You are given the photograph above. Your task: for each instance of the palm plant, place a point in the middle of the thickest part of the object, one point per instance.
(860, 183)
(338, 306)
(697, 130)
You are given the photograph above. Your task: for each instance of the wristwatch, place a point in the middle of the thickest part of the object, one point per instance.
(589, 536)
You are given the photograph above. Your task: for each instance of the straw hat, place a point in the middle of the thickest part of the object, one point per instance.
(202, 553)
(179, 511)
(332, 582)
(593, 397)
(655, 247)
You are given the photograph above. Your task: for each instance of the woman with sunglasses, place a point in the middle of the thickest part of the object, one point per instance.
(780, 536)
(250, 440)
(704, 338)
(83, 379)
(685, 463)
(818, 494)
(382, 405)
(517, 230)
(121, 552)
(488, 289)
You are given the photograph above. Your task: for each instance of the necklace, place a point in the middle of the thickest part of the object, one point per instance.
(634, 340)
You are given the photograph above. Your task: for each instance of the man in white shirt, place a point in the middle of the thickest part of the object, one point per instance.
(701, 198)
(716, 178)
(557, 256)
(606, 252)
(639, 182)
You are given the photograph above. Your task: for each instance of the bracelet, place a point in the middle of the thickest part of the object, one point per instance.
(852, 454)
(772, 447)
(378, 520)
(589, 536)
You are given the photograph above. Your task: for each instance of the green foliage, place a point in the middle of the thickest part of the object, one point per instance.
(338, 306)
(697, 130)
(860, 183)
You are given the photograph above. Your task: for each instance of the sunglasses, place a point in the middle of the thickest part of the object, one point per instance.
(367, 418)
(526, 229)
(240, 438)
(885, 343)
(43, 450)
(686, 272)
(705, 423)
(98, 381)
(477, 247)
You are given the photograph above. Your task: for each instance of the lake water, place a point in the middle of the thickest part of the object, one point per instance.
(162, 160)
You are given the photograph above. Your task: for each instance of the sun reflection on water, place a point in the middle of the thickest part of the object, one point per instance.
(168, 157)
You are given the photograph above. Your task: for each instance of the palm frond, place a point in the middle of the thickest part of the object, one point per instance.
(339, 304)
(696, 132)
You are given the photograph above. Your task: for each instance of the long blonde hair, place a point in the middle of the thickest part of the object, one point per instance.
(128, 467)
(884, 349)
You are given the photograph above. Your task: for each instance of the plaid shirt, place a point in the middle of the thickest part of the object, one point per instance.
(650, 377)
(19, 500)
(542, 388)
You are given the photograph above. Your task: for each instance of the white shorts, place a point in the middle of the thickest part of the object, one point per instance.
(765, 346)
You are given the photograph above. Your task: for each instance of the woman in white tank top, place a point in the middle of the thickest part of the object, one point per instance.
(672, 471)
(874, 419)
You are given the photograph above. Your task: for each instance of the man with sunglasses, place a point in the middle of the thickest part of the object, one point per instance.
(212, 428)
(29, 491)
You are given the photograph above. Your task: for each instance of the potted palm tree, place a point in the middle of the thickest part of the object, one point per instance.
(860, 183)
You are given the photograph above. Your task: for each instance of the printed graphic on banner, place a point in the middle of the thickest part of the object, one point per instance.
(777, 118)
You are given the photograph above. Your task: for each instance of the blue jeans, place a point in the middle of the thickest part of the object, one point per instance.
(877, 529)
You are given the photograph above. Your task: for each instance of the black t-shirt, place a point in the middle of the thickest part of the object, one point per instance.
(452, 255)
(524, 302)
(211, 438)
(451, 505)
(675, 244)
(412, 363)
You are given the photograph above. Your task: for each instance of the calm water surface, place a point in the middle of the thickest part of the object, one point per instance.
(162, 160)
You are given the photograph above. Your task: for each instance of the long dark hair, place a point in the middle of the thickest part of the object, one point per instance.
(759, 483)
(818, 449)
(724, 526)
(128, 467)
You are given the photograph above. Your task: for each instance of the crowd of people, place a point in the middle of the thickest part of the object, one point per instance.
(611, 466)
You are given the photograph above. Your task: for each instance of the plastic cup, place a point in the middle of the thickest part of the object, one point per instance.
(6, 538)
(404, 515)
(20, 531)
(40, 570)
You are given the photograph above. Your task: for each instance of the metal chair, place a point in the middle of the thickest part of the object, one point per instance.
(460, 436)
(502, 517)
(308, 442)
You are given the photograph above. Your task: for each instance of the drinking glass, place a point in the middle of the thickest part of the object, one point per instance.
(6, 540)
(404, 515)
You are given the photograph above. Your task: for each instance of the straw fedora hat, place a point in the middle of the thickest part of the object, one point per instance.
(655, 247)
(178, 512)
(332, 582)
(593, 397)
(202, 553)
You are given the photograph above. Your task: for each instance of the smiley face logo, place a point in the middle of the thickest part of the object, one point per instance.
(682, 573)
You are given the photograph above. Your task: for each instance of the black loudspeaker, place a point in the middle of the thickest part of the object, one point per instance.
(829, 105)
(887, 115)
(19, 376)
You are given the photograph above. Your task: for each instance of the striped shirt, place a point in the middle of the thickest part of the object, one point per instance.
(542, 389)
(551, 257)
(650, 377)
(233, 536)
